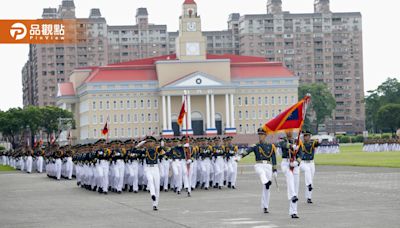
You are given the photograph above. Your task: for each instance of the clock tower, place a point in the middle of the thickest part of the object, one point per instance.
(191, 44)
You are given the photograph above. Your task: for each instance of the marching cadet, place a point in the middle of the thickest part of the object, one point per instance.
(151, 169)
(29, 160)
(290, 167)
(231, 152)
(118, 167)
(69, 166)
(58, 156)
(205, 163)
(194, 169)
(39, 161)
(265, 167)
(218, 155)
(165, 163)
(307, 149)
(179, 166)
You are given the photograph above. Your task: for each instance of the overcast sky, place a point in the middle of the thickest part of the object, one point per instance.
(380, 30)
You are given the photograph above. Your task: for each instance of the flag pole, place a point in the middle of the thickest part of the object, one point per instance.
(187, 134)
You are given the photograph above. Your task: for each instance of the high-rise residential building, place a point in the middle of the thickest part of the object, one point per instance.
(51, 63)
(322, 46)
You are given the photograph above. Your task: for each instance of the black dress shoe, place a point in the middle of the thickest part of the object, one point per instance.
(309, 201)
(189, 194)
(266, 210)
(294, 216)
(165, 190)
(135, 191)
(294, 199)
(219, 187)
(155, 208)
(224, 182)
(130, 188)
(153, 197)
(310, 188)
(229, 185)
(119, 192)
(105, 193)
(206, 188)
(233, 187)
(178, 192)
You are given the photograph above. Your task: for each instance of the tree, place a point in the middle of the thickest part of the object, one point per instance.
(322, 104)
(12, 125)
(33, 118)
(55, 119)
(386, 93)
(388, 117)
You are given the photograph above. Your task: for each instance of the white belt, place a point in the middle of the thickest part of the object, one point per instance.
(308, 161)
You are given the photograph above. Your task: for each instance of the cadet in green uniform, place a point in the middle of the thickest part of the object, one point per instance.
(265, 166)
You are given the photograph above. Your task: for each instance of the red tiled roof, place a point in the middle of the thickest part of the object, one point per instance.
(189, 2)
(144, 69)
(66, 89)
(259, 70)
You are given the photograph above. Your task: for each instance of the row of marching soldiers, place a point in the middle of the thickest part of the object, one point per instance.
(146, 165)
(381, 145)
(40, 159)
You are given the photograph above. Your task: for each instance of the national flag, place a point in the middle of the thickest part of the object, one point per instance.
(105, 129)
(291, 119)
(182, 114)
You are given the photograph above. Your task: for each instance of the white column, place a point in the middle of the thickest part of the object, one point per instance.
(189, 110)
(208, 111)
(212, 112)
(227, 113)
(232, 112)
(164, 110)
(184, 119)
(169, 118)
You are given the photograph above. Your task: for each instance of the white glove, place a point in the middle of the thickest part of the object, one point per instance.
(275, 174)
(188, 161)
(162, 143)
(238, 158)
(294, 164)
(141, 143)
(295, 147)
(186, 145)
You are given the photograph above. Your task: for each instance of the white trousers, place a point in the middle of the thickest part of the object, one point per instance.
(219, 170)
(205, 171)
(29, 164)
(193, 174)
(39, 164)
(119, 169)
(153, 182)
(58, 168)
(292, 182)
(264, 172)
(177, 171)
(232, 171)
(164, 172)
(69, 168)
(309, 171)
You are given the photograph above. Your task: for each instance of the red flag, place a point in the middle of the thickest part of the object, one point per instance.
(182, 114)
(291, 119)
(105, 129)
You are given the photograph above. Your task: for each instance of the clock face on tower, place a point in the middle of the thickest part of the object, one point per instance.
(191, 26)
(192, 48)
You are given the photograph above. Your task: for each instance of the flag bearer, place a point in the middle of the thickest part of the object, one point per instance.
(307, 149)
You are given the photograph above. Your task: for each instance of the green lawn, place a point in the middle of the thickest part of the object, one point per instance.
(351, 155)
(6, 168)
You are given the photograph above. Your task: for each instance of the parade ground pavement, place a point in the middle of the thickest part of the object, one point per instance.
(343, 197)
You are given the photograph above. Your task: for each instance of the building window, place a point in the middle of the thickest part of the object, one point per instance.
(115, 132)
(101, 119)
(143, 132)
(136, 132)
(94, 133)
(247, 115)
(279, 100)
(246, 101)
(253, 113)
(149, 118)
(149, 131)
(141, 104)
(247, 128)
(240, 115)
(254, 128)
(128, 118)
(266, 100)
(94, 119)
(266, 114)
(128, 104)
(108, 105)
(156, 117)
(101, 105)
(122, 118)
(115, 119)
(293, 101)
(134, 104)
(259, 114)
(121, 104)
(135, 118)
(94, 105)
(156, 131)
(259, 101)
(148, 104)
(115, 105)
(272, 100)
(252, 101)
(239, 101)
(155, 103)
(142, 118)
(121, 132)
(240, 128)
(129, 133)
(286, 100)
(273, 113)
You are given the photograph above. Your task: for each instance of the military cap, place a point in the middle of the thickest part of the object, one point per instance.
(150, 138)
(306, 133)
(261, 131)
(175, 140)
